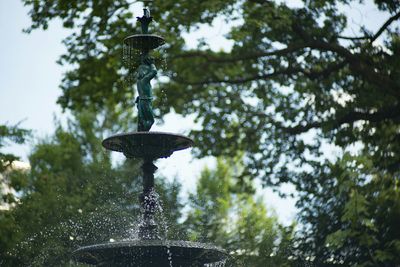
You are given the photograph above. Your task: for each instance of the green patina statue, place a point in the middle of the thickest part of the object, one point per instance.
(146, 71)
(144, 42)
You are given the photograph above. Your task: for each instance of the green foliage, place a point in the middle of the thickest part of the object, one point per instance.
(236, 220)
(290, 71)
(291, 82)
(352, 211)
(10, 134)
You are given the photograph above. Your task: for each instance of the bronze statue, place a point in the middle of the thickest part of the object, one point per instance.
(146, 71)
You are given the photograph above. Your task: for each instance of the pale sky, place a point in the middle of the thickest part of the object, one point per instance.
(29, 80)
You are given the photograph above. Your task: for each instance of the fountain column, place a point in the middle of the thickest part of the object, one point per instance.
(149, 202)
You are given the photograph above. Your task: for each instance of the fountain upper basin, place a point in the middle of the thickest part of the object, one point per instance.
(150, 145)
(144, 41)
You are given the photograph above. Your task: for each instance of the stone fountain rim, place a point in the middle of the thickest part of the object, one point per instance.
(151, 133)
(144, 41)
(140, 35)
(152, 243)
(104, 253)
(157, 144)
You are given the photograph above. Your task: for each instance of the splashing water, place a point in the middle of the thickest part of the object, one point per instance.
(156, 206)
(164, 229)
(216, 264)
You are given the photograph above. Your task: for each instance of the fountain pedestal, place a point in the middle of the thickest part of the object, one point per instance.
(148, 146)
(148, 228)
(149, 250)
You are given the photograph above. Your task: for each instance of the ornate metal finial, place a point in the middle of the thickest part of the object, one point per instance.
(145, 20)
(144, 42)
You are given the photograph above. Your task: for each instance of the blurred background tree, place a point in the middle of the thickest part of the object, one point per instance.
(350, 210)
(292, 83)
(228, 213)
(73, 196)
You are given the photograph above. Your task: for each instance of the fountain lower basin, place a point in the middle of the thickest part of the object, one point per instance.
(150, 253)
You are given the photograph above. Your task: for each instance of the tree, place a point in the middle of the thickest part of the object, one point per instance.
(71, 197)
(352, 211)
(232, 217)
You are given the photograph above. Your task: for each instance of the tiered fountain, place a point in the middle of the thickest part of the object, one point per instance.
(149, 250)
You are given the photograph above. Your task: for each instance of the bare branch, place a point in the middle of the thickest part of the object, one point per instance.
(353, 38)
(377, 34)
(385, 25)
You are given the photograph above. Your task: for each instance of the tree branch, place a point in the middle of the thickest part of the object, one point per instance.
(359, 66)
(353, 38)
(351, 117)
(229, 58)
(287, 71)
(356, 62)
(311, 74)
(377, 34)
(384, 26)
